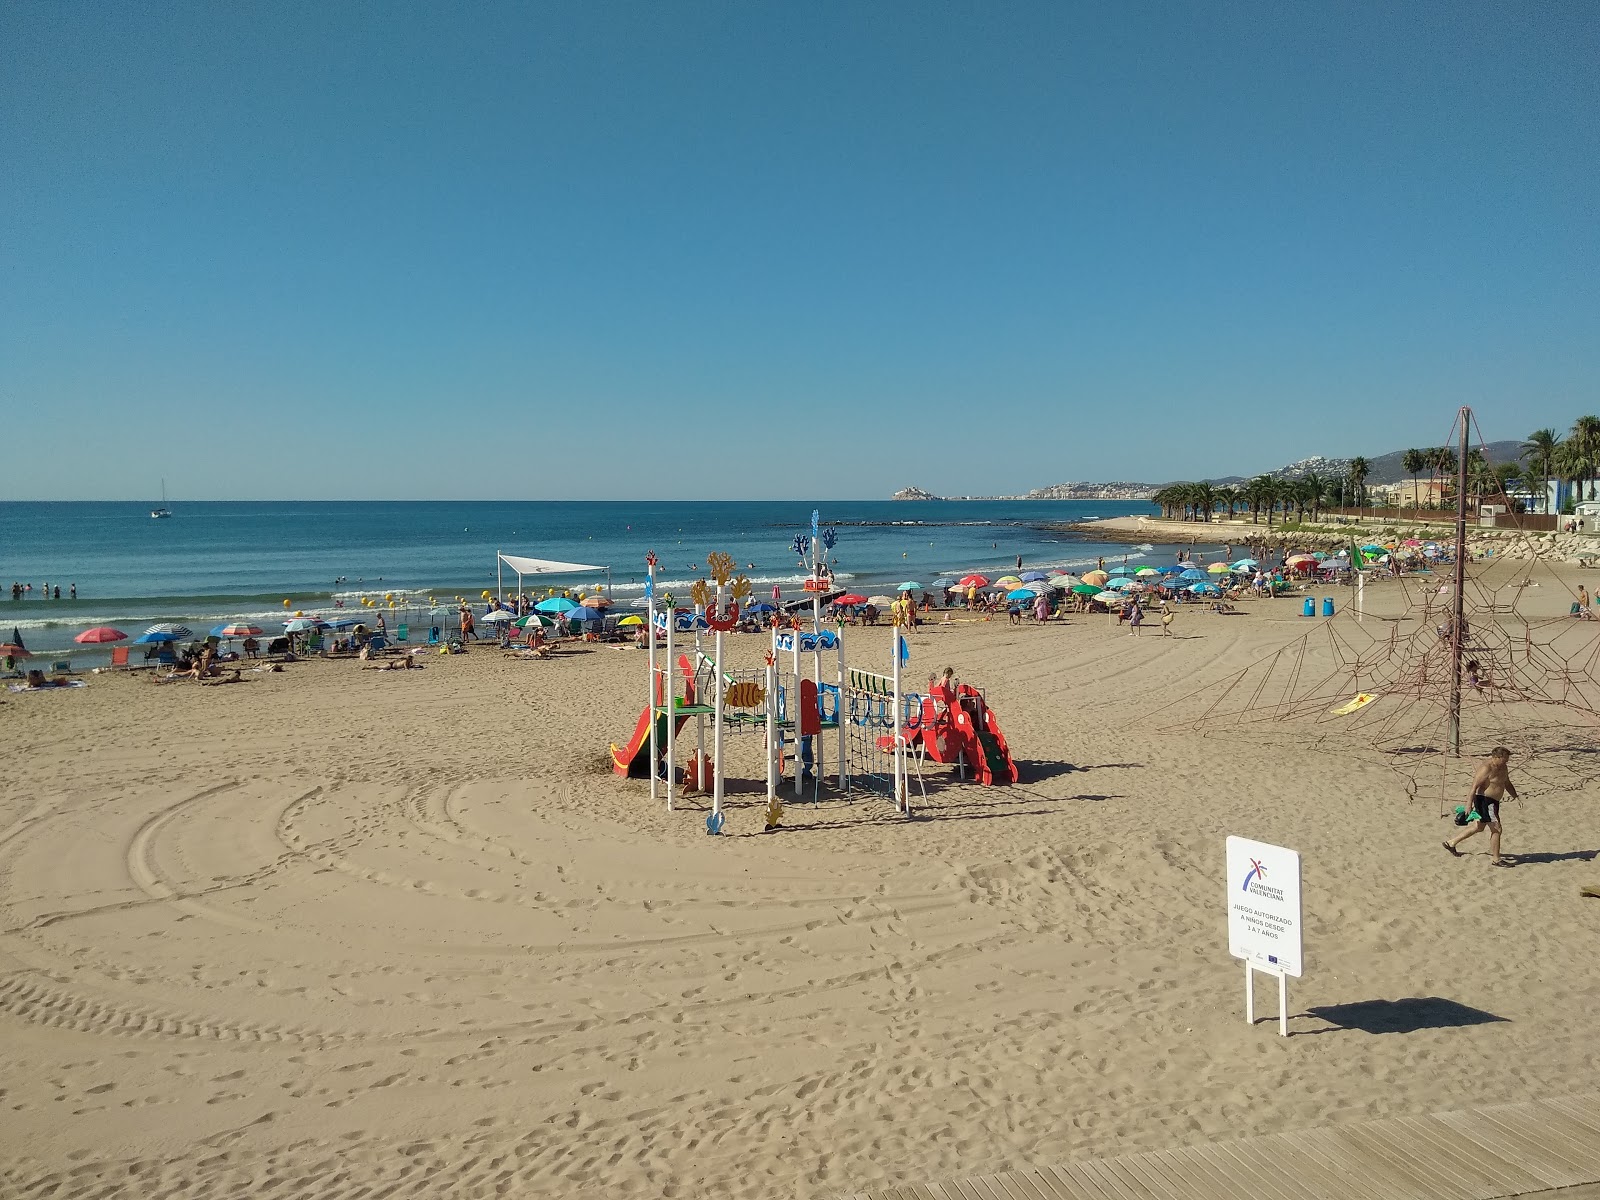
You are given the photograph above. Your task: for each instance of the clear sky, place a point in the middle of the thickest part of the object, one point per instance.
(691, 250)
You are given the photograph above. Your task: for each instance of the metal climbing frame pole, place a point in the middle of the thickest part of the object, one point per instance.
(774, 754)
(652, 683)
(838, 714)
(902, 801)
(716, 733)
(670, 704)
(1458, 609)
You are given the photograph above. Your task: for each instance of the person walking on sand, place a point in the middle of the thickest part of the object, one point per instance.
(1135, 618)
(1491, 784)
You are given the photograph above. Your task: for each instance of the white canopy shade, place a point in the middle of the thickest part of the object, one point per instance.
(544, 566)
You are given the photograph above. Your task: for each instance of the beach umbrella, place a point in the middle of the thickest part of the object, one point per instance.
(240, 629)
(150, 637)
(556, 604)
(1146, 571)
(498, 615)
(345, 622)
(582, 612)
(100, 633)
(641, 602)
(539, 618)
(913, 586)
(1335, 564)
(851, 598)
(1095, 577)
(631, 619)
(1372, 549)
(302, 625)
(1218, 568)
(1034, 577)
(1319, 555)
(1193, 575)
(1022, 594)
(973, 580)
(1300, 558)
(1123, 569)
(598, 601)
(1205, 589)
(1086, 589)
(16, 640)
(944, 581)
(761, 606)
(1245, 564)
(1008, 581)
(1120, 585)
(176, 630)
(1174, 569)
(1064, 581)
(881, 601)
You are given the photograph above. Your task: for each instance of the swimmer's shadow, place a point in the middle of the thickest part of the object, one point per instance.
(1407, 1015)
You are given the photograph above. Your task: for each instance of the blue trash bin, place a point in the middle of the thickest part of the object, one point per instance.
(1310, 608)
(1327, 606)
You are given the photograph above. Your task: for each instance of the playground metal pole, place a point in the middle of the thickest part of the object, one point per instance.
(838, 713)
(672, 723)
(901, 799)
(650, 684)
(774, 755)
(716, 733)
(1459, 603)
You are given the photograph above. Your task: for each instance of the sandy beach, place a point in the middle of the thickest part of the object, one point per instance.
(337, 932)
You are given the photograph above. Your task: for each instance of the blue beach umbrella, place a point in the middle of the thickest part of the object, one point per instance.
(1120, 585)
(1122, 570)
(155, 636)
(911, 585)
(1193, 576)
(1245, 564)
(1035, 577)
(761, 606)
(172, 627)
(1205, 589)
(1022, 594)
(944, 581)
(1174, 569)
(582, 612)
(556, 604)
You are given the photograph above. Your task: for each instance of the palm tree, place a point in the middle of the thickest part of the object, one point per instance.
(1312, 486)
(1585, 436)
(1412, 462)
(1539, 452)
(1359, 469)
(1204, 500)
(1167, 498)
(1505, 476)
(1228, 497)
(1444, 459)
(1258, 492)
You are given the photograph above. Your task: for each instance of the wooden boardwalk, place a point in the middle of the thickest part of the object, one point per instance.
(1509, 1150)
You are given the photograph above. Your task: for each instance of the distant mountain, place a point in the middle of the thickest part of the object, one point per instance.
(1387, 468)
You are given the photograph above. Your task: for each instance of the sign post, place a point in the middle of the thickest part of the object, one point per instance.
(1264, 918)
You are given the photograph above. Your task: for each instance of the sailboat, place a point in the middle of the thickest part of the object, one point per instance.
(162, 511)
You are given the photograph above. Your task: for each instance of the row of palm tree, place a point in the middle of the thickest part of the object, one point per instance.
(1546, 455)
(1265, 494)
(1574, 459)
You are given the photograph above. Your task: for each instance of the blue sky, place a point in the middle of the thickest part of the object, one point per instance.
(771, 250)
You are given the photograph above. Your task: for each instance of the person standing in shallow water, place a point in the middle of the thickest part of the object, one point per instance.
(1490, 786)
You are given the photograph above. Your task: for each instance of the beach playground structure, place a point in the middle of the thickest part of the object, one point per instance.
(878, 733)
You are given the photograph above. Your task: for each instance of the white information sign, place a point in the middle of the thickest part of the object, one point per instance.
(1264, 906)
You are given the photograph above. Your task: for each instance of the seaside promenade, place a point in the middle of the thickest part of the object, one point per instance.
(346, 933)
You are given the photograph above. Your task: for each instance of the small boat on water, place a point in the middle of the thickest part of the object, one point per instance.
(161, 511)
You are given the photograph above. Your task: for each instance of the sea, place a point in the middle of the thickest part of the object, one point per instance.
(262, 561)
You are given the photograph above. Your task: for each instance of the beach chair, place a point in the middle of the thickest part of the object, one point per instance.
(433, 635)
(377, 643)
(119, 656)
(166, 657)
(402, 632)
(64, 667)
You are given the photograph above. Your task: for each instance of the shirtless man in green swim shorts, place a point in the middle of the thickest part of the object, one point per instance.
(1490, 786)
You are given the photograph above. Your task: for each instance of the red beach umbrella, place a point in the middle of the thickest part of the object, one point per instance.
(100, 633)
(974, 580)
(238, 630)
(12, 650)
(851, 598)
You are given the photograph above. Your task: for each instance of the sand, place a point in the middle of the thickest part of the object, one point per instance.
(341, 933)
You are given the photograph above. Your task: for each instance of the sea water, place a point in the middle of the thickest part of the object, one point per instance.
(238, 561)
